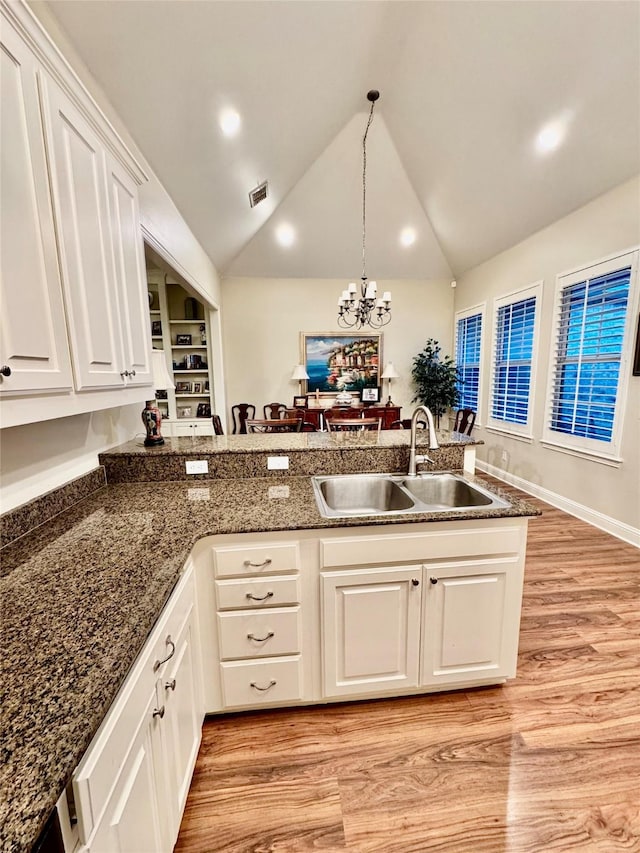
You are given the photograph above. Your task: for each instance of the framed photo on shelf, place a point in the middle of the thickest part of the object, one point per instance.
(156, 328)
(183, 388)
(161, 395)
(183, 340)
(184, 412)
(371, 395)
(203, 410)
(197, 388)
(336, 361)
(300, 402)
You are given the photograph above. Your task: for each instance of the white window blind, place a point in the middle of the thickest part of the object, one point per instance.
(588, 351)
(468, 347)
(514, 334)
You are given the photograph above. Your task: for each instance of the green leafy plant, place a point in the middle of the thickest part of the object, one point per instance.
(436, 379)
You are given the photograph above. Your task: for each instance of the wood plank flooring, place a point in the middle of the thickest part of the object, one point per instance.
(548, 762)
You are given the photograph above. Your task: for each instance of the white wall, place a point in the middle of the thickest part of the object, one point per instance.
(609, 496)
(38, 457)
(263, 319)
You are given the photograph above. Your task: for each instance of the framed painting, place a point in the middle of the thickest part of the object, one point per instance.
(336, 361)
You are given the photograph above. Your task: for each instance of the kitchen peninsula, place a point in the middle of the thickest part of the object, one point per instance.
(82, 592)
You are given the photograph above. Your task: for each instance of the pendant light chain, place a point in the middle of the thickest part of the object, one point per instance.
(366, 309)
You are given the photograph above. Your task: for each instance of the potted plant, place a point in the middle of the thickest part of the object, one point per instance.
(436, 380)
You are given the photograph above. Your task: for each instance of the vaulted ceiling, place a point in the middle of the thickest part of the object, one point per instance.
(465, 89)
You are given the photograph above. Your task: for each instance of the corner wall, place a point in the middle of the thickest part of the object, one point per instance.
(606, 496)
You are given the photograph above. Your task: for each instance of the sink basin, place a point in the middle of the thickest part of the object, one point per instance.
(445, 491)
(348, 495)
(362, 495)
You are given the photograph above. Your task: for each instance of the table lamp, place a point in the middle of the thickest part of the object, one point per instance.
(390, 373)
(299, 374)
(151, 414)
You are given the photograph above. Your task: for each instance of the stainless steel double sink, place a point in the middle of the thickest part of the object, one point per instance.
(349, 495)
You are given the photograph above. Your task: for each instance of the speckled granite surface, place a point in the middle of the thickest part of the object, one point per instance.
(240, 456)
(22, 519)
(79, 597)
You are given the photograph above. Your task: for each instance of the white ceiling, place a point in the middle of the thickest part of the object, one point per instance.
(465, 87)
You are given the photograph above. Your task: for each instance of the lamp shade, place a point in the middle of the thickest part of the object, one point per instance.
(299, 372)
(390, 372)
(161, 378)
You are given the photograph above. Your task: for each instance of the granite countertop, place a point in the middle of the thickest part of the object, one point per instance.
(80, 595)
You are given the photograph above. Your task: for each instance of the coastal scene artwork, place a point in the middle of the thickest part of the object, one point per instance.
(341, 362)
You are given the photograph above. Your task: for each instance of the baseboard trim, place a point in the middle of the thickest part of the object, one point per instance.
(584, 513)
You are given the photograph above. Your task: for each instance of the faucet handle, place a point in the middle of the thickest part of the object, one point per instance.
(422, 458)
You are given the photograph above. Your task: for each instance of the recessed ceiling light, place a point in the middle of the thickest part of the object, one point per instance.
(229, 122)
(285, 234)
(408, 236)
(550, 137)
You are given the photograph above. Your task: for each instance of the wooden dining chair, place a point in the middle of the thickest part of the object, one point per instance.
(274, 410)
(465, 419)
(307, 426)
(273, 425)
(405, 423)
(353, 424)
(241, 412)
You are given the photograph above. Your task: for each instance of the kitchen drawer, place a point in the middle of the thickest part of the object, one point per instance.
(261, 682)
(257, 592)
(269, 559)
(234, 628)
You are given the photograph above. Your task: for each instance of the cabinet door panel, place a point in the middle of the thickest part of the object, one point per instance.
(371, 624)
(130, 274)
(33, 336)
(182, 724)
(80, 198)
(471, 622)
(135, 819)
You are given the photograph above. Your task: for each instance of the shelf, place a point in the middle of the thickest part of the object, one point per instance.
(189, 346)
(156, 337)
(191, 370)
(181, 396)
(154, 311)
(183, 322)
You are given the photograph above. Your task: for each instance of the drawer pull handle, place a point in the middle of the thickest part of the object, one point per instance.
(260, 639)
(159, 712)
(158, 663)
(170, 685)
(253, 597)
(261, 565)
(271, 684)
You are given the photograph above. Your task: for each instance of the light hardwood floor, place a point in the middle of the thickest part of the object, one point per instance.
(548, 762)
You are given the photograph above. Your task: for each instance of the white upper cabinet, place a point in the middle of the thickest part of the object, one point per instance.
(74, 315)
(130, 274)
(33, 342)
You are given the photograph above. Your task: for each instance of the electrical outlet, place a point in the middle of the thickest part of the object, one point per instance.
(197, 466)
(198, 494)
(278, 491)
(277, 463)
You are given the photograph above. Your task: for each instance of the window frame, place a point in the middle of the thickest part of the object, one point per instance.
(533, 291)
(606, 452)
(473, 311)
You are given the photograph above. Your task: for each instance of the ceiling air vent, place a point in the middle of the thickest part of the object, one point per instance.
(258, 194)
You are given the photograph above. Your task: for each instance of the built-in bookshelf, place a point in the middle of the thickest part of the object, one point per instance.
(179, 326)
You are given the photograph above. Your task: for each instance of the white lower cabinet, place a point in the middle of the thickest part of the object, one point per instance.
(371, 629)
(471, 621)
(131, 785)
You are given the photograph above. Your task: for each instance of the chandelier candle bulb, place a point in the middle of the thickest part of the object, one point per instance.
(353, 287)
(386, 296)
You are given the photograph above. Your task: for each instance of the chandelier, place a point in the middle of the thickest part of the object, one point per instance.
(364, 309)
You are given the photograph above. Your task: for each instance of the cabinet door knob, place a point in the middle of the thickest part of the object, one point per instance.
(415, 581)
(132, 373)
(5, 370)
(159, 712)
(433, 580)
(170, 685)
(124, 373)
(260, 639)
(271, 684)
